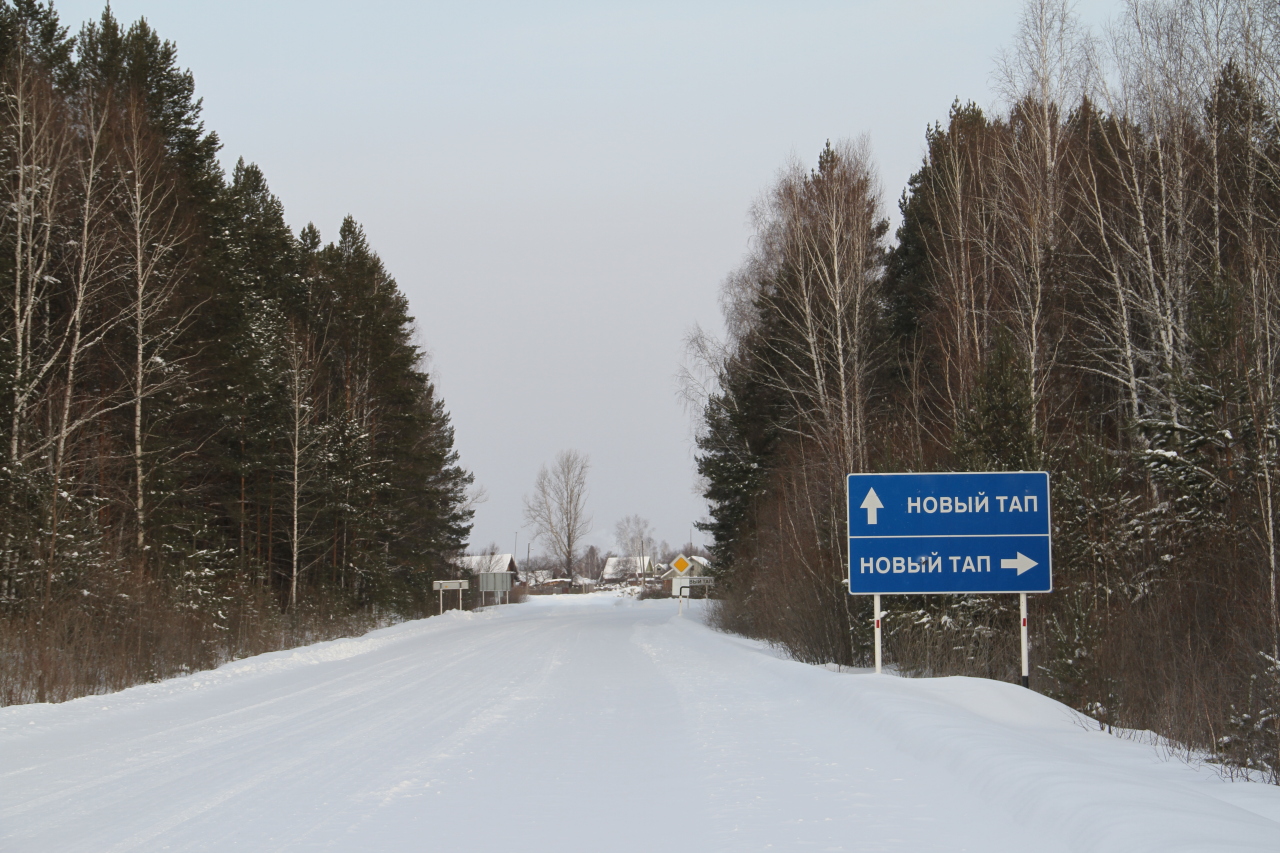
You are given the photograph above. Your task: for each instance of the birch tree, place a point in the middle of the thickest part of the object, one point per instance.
(634, 538)
(304, 441)
(37, 150)
(1045, 72)
(954, 192)
(93, 267)
(817, 289)
(155, 234)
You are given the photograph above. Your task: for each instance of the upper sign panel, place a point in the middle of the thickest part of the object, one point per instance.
(955, 532)
(1003, 503)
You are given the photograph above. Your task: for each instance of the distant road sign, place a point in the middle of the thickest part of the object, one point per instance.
(681, 564)
(441, 585)
(949, 533)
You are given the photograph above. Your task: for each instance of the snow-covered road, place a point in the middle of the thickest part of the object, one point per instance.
(591, 723)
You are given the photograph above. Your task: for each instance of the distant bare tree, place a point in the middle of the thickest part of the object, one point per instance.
(558, 508)
(634, 536)
(592, 563)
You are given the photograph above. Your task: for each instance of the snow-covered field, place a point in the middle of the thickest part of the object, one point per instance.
(592, 723)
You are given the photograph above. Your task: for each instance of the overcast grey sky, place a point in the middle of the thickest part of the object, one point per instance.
(560, 188)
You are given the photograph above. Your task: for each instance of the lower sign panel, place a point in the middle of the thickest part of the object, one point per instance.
(949, 564)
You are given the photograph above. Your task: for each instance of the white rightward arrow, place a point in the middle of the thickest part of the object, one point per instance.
(871, 503)
(1021, 562)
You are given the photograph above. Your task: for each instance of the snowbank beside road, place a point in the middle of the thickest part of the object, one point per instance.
(474, 731)
(13, 717)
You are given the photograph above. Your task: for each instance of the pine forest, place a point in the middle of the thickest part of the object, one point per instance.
(219, 436)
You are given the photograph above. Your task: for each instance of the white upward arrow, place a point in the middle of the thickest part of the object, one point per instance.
(1021, 562)
(871, 503)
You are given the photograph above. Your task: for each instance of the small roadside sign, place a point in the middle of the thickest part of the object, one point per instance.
(682, 585)
(682, 564)
(441, 586)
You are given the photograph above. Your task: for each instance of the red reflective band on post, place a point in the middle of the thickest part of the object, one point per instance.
(877, 623)
(1024, 621)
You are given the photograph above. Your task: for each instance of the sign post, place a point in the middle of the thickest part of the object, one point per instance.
(875, 605)
(955, 533)
(1026, 661)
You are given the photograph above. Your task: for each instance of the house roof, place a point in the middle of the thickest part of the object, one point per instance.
(482, 563)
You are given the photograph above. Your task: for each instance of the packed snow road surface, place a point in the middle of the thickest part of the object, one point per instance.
(592, 723)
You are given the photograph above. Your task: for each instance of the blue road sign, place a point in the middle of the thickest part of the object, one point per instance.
(949, 533)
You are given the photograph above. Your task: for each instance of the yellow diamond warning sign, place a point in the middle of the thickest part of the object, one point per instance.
(681, 564)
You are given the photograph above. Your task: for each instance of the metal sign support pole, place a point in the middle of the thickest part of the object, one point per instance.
(459, 598)
(1026, 658)
(440, 594)
(876, 605)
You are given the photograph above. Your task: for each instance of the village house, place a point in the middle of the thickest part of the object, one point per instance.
(622, 569)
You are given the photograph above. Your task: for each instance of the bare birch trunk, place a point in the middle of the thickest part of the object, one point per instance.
(92, 258)
(37, 146)
(156, 236)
